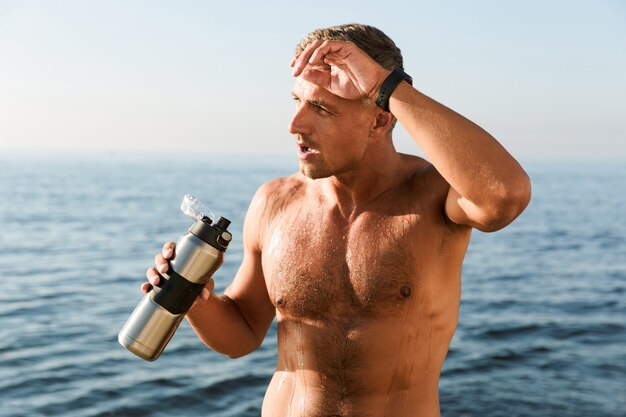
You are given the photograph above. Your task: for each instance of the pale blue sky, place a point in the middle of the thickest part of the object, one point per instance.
(547, 78)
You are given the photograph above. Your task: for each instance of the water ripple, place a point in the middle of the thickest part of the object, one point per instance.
(542, 326)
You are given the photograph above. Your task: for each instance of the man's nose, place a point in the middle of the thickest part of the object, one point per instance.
(299, 123)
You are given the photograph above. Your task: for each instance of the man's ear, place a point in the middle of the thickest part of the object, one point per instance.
(383, 122)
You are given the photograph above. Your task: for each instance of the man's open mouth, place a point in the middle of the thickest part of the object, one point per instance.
(304, 151)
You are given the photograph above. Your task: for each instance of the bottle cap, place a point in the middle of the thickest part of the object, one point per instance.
(215, 235)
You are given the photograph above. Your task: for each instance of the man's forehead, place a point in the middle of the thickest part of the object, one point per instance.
(309, 91)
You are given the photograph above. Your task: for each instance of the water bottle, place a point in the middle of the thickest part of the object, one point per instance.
(198, 254)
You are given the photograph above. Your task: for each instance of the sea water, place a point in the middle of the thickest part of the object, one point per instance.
(542, 328)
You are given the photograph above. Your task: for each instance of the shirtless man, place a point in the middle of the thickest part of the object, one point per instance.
(359, 255)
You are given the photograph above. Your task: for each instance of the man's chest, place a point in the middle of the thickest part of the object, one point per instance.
(315, 265)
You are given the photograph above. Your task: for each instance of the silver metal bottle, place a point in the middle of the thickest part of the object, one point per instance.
(198, 254)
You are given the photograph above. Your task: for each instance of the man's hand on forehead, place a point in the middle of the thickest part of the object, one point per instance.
(341, 68)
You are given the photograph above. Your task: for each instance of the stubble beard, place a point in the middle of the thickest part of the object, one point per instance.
(321, 170)
(314, 172)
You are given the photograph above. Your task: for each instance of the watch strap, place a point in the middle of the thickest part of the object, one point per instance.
(389, 85)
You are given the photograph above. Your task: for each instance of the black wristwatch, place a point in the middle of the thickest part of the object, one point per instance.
(390, 84)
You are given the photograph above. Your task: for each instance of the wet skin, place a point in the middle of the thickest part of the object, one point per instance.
(366, 306)
(358, 256)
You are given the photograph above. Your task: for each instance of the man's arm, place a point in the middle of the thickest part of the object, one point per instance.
(236, 322)
(488, 188)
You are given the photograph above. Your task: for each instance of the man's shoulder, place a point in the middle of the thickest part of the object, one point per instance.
(276, 194)
(282, 187)
(421, 172)
(429, 189)
(414, 163)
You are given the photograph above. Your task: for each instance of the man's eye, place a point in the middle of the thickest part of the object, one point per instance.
(321, 110)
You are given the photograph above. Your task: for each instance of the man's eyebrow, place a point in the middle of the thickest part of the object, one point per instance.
(317, 103)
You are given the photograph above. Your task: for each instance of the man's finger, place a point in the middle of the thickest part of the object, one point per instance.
(146, 287)
(153, 276)
(303, 59)
(317, 77)
(161, 263)
(168, 250)
(205, 294)
(326, 48)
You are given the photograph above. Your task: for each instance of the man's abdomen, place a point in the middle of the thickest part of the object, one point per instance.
(343, 368)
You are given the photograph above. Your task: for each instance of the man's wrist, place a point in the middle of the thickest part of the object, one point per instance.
(389, 85)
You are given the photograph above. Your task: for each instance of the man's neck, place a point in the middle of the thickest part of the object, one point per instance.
(377, 172)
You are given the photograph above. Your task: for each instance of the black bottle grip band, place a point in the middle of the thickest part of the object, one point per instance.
(175, 293)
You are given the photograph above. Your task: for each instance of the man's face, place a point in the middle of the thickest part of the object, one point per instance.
(331, 133)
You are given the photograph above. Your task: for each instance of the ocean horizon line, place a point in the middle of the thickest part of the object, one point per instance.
(245, 155)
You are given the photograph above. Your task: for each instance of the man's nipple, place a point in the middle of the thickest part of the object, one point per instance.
(405, 291)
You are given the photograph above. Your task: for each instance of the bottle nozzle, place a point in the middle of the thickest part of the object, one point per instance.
(223, 223)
